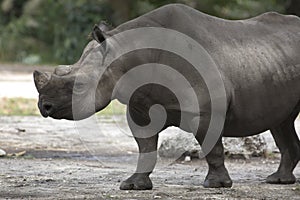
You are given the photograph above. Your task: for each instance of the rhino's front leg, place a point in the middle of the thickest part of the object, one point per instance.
(146, 162)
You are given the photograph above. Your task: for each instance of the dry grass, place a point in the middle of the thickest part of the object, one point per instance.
(18, 106)
(28, 107)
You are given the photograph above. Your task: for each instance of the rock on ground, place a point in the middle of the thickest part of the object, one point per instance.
(2, 153)
(177, 144)
(245, 147)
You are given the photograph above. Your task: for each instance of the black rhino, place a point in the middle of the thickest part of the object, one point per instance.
(258, 60)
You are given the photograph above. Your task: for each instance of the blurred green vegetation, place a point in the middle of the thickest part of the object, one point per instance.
(56, 31)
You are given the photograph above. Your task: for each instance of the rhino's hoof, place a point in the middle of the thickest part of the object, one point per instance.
(281, 178)
(136, 182)
(210, 183)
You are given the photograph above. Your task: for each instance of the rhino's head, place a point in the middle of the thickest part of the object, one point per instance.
(76, 86)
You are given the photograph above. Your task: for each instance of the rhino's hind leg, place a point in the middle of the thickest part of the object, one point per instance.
(288, 143)
(217, 173)
(146, 162)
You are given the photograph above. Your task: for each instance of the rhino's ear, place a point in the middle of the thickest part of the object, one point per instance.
(99, 34)
(104, 26)
(99, 31)
(40, 79)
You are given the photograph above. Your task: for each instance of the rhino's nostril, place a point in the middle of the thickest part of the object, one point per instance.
(48, 108)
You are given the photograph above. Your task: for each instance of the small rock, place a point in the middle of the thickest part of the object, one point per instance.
(2, 153)
(49, 179)
(18, 154)
(187, 159)
(20, 129)
(160, 195)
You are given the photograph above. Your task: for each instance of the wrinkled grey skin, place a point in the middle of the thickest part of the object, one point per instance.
(258, 59)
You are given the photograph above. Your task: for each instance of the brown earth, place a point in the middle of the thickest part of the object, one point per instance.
(62, 164)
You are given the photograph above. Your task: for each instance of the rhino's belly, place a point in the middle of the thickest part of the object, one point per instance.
(254, 111)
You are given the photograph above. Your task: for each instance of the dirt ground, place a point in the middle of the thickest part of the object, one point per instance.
(82, 179)
(62, 164)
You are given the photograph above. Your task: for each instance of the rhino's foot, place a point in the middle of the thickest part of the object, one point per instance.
(281, 178)
(217, 181)
(137, 182)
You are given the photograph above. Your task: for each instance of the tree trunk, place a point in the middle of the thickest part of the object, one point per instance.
(294, 8)
(122, 10)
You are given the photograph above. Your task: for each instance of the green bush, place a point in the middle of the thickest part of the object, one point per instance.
(55, 31)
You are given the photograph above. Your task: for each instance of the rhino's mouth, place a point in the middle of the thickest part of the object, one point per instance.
(49, 110)
(46, 114)
(61, 114)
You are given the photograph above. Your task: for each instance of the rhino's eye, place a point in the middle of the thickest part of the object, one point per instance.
(79, 88)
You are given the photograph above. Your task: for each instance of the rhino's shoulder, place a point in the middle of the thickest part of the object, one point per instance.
(173, 6)
(182, 8)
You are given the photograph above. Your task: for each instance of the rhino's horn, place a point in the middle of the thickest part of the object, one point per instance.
(40, 79)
